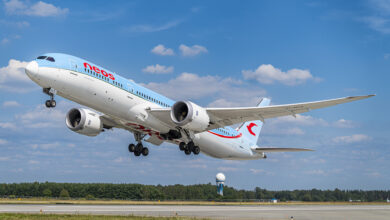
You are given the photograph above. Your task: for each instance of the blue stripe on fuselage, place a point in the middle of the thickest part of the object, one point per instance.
(69, 62)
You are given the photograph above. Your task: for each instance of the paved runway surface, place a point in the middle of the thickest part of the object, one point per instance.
(323, 212)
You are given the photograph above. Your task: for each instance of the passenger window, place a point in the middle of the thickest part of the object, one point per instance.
(41, 57)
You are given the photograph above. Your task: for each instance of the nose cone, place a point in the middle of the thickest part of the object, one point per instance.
(32, 69)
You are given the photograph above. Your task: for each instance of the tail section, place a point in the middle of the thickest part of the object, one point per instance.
(251, 129)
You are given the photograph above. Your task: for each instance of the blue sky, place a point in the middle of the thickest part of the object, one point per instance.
(219, 53)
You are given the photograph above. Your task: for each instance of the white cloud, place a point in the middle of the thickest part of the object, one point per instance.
(268, 74)
(42, 117)
(33, 162)
(198, 166)
(120, 160)
(223, 103)
(7, 40)
(158, 69)
(14, 71)
(380, 24)
(374, 174)
(40, 9)
(382, 6)
(13, 78)
(281, 130)
(312, 160)
(7, 125)
(88, 166)
(379, 19)
(5, 158)
(192, 86)
(14, 6)
(302, 120)
(17, 24)
(227, 169)
(46, 146)
(2, 141)
(356, 138)
(193, 50)
(153, 28)
(293, 131)
(44, 9)
(316, 172)
(19, 170)
(4, 41)
(307, 120)
(161, 50)
(342, 123)
(11, 104)
(292, 126)
(260, 171)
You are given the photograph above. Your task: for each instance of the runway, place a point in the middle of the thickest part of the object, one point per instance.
(301, 212)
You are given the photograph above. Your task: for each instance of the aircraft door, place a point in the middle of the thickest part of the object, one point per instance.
(73, 65)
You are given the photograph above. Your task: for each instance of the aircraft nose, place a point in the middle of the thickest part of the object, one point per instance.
(32, 69)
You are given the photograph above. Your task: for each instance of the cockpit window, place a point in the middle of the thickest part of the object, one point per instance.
(41, 57)
(51, 59)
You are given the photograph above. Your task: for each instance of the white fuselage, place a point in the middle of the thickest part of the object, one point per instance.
(121, 105)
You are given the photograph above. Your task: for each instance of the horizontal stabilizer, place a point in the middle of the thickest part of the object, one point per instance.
(280, 149)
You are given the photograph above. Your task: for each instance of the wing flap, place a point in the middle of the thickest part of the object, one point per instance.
(154, 140)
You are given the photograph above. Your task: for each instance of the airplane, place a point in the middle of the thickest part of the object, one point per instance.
(121, 103)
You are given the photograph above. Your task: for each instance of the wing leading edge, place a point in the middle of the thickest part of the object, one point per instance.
(221, 117)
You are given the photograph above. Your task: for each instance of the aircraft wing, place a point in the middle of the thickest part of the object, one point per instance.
(110, 122)
(279, 149)
(221, 117)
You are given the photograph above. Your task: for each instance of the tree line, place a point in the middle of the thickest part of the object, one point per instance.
(202, 192)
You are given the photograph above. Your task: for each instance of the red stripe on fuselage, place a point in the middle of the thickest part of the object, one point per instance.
(223, 136)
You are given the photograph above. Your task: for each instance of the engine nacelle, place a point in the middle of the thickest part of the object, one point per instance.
(84, 121)
(190, 116)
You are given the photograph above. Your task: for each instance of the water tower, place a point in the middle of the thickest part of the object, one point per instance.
(220, 179)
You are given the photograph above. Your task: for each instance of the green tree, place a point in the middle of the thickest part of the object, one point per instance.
(47, 192)
(64, 193)
(307, 197)
(89, 197)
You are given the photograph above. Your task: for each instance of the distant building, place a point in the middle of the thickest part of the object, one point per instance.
(274, 200)
(220, 180)
(388, 200)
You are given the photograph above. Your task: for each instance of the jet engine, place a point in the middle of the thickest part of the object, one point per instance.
(84, 121)
(190, 116)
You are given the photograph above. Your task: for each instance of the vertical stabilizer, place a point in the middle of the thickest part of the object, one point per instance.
(251, 129)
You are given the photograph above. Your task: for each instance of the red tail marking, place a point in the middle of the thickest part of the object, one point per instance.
(250, 126)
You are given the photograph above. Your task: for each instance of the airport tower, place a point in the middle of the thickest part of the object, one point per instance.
(220, 179)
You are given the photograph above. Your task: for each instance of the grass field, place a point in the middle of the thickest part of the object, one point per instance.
(9, 216)
(129, 202)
